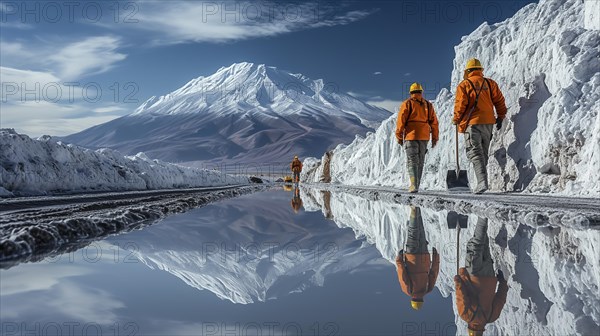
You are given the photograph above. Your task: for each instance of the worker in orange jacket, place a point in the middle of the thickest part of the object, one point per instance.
(296, 167)
(476, 98)
(477, 300)
(416, 123)
(296, 200)
(417, 271)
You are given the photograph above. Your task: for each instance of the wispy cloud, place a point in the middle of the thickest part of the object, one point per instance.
(199, 21)
(358, 95)
(376, 73)
(15, 25)
(407, 74)
(66, 60)
(388, 104)
(90, 56)
(48, 105)
(57, 292)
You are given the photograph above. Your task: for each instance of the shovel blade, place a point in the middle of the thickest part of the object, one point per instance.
(455, 220)
(454, 181)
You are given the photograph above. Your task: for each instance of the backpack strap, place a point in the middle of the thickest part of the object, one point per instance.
(409, 111)
(429, 107)
(477, 93)
(489, 88)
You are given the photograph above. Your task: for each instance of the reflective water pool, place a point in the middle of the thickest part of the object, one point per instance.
(309, 262)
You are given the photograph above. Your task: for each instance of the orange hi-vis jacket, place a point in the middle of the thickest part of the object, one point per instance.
(417, 120)
(477, 301)
(490, 96)
(296, 166)
(417, 273)
(296, 204)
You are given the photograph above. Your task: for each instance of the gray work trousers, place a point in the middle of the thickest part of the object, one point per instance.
(477, 141)
(479, 259)
(416, 242)
(415, 158)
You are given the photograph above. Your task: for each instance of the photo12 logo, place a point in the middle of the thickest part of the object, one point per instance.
(30, 12)
(269, 328)
(259, 11)
(437, 11)
(69, 92)
(68, 328)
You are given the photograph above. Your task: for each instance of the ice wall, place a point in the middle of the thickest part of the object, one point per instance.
(546, 60)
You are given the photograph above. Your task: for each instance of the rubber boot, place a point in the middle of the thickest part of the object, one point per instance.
(481, 174)
(419, 176)
(414, 180)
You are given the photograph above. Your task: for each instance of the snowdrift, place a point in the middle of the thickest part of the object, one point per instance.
(552, 273)
(546, 61)
(44, 166)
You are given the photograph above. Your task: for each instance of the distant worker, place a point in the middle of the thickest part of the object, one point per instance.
(296, 167)
(417, 269)
(296, 200)
(476, 98)
(477, 300)
(417, 121)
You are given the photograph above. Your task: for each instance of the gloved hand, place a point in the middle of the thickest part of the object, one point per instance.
(433, 143)
(400, 253)
(500, 275)
(435, 251)
(499, 123)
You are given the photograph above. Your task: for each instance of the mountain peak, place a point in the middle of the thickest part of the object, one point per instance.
(245, 87)
(245, 112)
(242, 67)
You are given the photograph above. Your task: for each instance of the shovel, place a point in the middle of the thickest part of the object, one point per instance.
(457, 179)
(457, 249)
(456, 220)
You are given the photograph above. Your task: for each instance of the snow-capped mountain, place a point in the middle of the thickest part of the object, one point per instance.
(247, 257)
(546, 60)
(246, 113)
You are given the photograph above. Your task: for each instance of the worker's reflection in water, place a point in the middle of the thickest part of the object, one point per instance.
(296, 200)
(477, 300)
(417, 270)
(327, 203)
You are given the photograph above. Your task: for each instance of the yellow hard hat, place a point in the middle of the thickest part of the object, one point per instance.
(416, 305)
(475, 332)
(473, 63)
(295, 156)
(416, 87)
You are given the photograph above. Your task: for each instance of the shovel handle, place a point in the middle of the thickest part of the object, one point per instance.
(457, 246)
(456, 151)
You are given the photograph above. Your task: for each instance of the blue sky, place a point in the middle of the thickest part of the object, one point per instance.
(66, 66)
